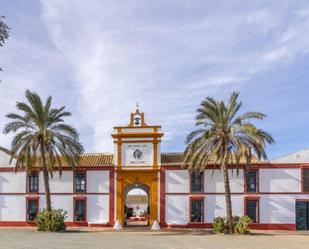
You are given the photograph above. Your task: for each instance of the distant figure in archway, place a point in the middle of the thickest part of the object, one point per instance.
(136, 209)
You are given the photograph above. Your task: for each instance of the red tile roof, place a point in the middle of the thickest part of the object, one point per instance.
(107, 159)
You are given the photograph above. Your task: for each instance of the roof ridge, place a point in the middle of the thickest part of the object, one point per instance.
(172, 153)
(98, 153)
(288, 154)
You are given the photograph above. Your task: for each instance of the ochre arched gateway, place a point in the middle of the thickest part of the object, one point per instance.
(148, 178)
(137, 157)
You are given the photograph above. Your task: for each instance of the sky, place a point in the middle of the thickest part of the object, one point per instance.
(98, 58)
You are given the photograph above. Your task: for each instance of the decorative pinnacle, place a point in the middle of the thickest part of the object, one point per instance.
(137, 105)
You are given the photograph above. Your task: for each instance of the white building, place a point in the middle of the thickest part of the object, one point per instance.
(274, 194)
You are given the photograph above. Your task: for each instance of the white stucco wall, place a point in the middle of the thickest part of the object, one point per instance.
(98, 181)
(279, 208)
(5, 160)
(280, 180)
(12, 208)
(177, 209)
(213, 181)
(137, 130)
(177, 181)
(215, 206)
(58, 184)
(64, 202)
(301, 156)
(98, 208)
(11, 182)
(127, 154)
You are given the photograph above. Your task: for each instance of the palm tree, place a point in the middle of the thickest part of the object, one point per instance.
(223, 138)
(42, 138)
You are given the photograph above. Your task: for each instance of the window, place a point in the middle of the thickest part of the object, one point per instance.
(197, 182)
(80, 182)
(252, 210)
(32, 209)
(302, 214)
(251, 181)
(306, 180)
(80, 210)
(197, 210)
(33, 182)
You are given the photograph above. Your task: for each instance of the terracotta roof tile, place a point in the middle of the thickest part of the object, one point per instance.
(137, 199)
(107, 159)
(97, 159)
(176, 158)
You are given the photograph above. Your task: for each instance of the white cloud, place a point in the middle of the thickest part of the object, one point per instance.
(167, 62)
(166, 55)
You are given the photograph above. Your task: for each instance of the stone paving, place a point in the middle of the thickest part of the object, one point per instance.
(141, 239)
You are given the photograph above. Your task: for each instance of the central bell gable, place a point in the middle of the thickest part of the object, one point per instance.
(137, 145)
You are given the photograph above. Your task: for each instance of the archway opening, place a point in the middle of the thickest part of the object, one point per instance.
(137, 206)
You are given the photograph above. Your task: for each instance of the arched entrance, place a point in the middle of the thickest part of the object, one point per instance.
(127, 180)
(137, 205)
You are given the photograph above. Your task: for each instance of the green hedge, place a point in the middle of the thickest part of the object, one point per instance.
(51, 221)
(241, 224)
(219, 224)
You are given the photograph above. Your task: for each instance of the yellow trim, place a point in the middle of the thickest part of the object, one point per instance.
(126, 178)
(155, 154)
(119, 153)
(143, 123)
(137, 134)
(137, 167)
(138, 127)
(137, 170)
(136, 141)
(137, 112)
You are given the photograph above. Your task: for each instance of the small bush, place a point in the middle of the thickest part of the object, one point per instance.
(235, 220)
(219, 224)
(51, 221)
(240, 224)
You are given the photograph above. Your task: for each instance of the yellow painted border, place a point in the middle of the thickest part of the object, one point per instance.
(126, 178)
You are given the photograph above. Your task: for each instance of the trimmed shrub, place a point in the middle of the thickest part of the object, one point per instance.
(219, 224)
(240, 224)
(51, 221)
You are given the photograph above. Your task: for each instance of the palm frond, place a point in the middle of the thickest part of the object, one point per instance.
(225, 135)
(39, 122)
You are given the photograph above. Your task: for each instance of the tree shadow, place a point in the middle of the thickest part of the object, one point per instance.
(204, 232)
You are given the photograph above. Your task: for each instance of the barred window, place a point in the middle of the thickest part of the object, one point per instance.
(197, 210)
(80, 182)
(251, 181)
(33, 182)
(80, 210)
(197, 182)
(32, 209)
(306, 180)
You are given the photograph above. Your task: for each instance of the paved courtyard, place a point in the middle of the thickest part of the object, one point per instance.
(132, 239)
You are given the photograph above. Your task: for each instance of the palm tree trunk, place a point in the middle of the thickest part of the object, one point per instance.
(228, 202)
(46, 179)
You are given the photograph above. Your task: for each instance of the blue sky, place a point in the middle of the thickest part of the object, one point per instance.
(99, 57)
